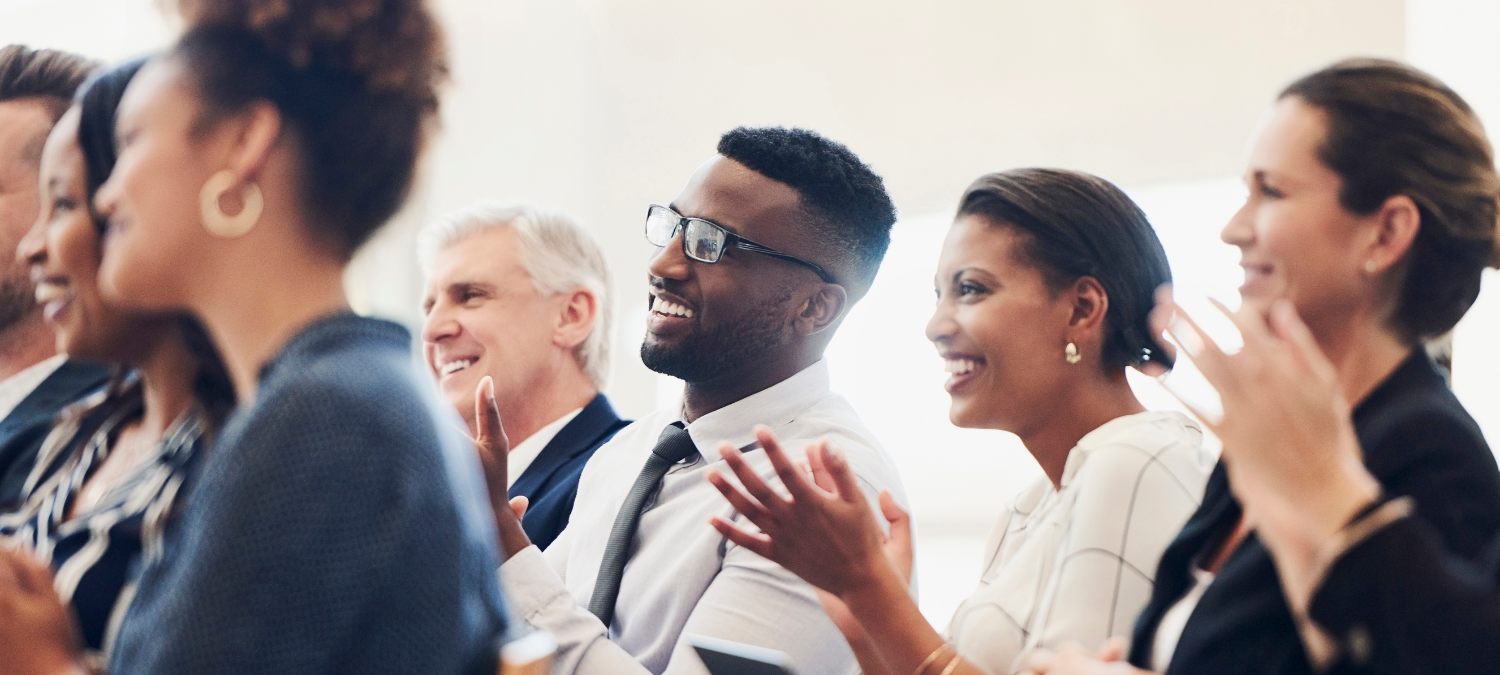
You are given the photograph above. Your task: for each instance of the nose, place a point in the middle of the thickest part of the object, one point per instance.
(440, 324)
(669, 261)
(1240, 230)
(941, 326)
(33, 247)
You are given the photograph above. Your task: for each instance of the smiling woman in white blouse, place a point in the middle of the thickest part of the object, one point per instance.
(1043, 288)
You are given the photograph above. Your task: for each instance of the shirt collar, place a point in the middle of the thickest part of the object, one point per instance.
(526, 452)
(1111, 432)
(16, 388)
(773, 406)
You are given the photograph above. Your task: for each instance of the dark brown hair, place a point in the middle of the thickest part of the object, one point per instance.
(46, 74)
(1395, 130)
(1078, 225)
(356, 81)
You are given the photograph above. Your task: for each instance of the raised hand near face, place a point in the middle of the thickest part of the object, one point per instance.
(1289, 444)
(493, 448)
(825, 532)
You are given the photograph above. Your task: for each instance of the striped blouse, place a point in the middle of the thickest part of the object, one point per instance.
(93, 554)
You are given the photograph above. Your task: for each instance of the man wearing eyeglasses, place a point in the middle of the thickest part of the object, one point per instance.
(760, 258)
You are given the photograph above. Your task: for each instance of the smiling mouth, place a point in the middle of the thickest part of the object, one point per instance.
(669, 308)
(452, 367)
(960, 370)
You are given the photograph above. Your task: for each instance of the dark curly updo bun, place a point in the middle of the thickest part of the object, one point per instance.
(356, 81)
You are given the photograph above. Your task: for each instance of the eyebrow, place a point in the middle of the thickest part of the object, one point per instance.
(728, 228)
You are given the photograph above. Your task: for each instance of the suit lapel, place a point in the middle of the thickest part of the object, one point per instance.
(596, 420)
(65, 385)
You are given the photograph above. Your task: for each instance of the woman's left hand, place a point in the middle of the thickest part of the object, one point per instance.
(825, 533)
(37, 635)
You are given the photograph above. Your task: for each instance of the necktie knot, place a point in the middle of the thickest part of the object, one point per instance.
(675, 444)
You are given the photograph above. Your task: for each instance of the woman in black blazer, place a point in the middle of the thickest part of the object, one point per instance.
(1372, 213)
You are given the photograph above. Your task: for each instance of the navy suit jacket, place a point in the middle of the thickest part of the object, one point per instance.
(24, 429)
(550, 483)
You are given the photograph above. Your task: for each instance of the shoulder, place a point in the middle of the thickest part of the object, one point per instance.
(1420, 425)
(1164, 443)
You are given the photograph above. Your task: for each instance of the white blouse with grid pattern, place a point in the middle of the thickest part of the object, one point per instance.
(1076, 564)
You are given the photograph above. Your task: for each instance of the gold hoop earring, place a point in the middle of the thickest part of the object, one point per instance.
(1071, 353)
(223, 225)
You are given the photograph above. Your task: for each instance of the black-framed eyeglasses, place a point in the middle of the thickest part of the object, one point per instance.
(706, 241)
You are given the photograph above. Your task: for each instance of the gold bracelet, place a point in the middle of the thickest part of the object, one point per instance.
(952, 664)
(930, 658)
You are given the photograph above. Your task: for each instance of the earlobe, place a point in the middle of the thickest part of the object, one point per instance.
(577, 318)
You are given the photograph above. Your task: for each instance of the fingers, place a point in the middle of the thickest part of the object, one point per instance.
(899, 546)
(771, 502)
(1040, 662)
(760, 544)
(741, 502)
(1303, 346)
(838, 469)
(794, 481)
(487, 429)
(1113, 649)
(518, 506)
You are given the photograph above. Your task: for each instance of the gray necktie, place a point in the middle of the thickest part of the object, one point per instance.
(672, 447)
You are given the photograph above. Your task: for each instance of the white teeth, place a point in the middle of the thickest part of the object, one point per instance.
(959, 366)
(455, 366)
(47, 292)
(671, 309)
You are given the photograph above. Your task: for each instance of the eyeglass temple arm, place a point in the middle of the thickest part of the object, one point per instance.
(741, 242)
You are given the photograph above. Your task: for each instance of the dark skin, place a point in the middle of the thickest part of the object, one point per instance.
(740, 285)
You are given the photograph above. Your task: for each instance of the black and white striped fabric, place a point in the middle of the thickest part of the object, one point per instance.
(92, 553)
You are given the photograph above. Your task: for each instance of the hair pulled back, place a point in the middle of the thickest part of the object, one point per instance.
(1395, 130)
(97, 102)
(356, 81)
(1078, 225)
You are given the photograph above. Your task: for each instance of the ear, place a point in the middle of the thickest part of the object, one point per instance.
(1397, 223)
(251, 134)
(1089, 304)
(821, 310)
(576, 318)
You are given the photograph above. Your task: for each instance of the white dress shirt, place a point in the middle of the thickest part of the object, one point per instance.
(1077, 564)
(17, 387)
(683, 577)
(528, 450)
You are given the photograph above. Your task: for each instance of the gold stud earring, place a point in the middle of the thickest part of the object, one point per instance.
(1370, 266)
(1071, 353)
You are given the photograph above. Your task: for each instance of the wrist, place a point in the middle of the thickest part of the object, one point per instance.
(512, 537)
(871, 586)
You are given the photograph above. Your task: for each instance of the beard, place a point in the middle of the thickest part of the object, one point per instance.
(17, 298)
(705, 355)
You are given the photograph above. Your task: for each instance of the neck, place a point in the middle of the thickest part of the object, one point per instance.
(255, 309)
(25, 344)
(1364, 351)
(702, 398)
(1081, 409)
(167, 375)
(564, 391)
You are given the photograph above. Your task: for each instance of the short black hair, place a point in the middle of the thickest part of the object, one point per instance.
(846, 202)
(1079, 225)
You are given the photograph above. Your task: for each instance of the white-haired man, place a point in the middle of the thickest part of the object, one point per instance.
(522, 295)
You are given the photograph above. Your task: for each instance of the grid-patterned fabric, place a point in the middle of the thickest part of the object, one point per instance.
(1075, 564)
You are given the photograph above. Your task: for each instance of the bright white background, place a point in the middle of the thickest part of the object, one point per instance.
(598, 107)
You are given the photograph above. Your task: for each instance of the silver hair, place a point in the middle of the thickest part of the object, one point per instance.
(555, 250)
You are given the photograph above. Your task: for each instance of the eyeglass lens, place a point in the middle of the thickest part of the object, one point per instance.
(702, 241)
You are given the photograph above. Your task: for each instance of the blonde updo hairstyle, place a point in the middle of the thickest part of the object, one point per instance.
(355, 81)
